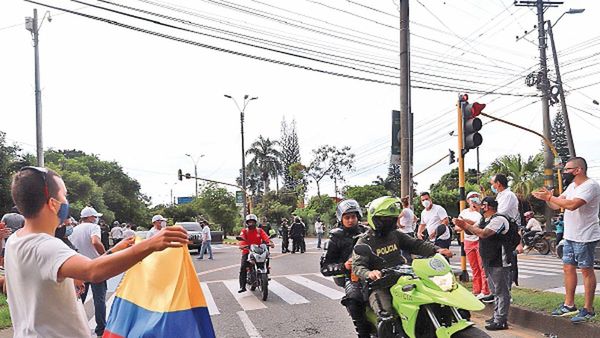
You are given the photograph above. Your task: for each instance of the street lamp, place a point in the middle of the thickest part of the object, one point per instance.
(246, 101)
(31, 24)
(570, 11)
(195, 169)
(171, 202)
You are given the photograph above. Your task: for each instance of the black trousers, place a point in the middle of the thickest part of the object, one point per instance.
(243, 271)
(285, 244)
(296, 244)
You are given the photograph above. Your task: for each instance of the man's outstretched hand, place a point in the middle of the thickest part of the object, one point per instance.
(169, 237)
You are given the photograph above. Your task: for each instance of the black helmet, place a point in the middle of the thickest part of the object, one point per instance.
(346, 207)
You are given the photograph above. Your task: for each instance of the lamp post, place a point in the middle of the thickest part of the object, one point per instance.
(247, 100)
(559, 82)
(31, 24)
(171, 201)
(195, 169)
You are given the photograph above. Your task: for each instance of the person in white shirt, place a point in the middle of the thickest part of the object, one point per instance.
(319, 230)
(40, 268)
(435, 219)
(158, 223)
(407, 218)
(472, 216)
(128, 232)
(116, 233)
(581, 201)
(206, 239)
(531, 229)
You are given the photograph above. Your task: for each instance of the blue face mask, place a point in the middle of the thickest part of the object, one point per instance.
(69, 230)
(494, 190)
(476, 200)
(63, 212)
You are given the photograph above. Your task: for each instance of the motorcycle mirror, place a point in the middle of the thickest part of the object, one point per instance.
(239, 238)
(363, 250)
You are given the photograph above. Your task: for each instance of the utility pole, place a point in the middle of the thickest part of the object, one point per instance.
(31, 24)
(405, 142)
(561, 92)
(544, 86)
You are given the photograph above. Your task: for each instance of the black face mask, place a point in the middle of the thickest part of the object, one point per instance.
(60, 232)
(567, 179)
(384, 226)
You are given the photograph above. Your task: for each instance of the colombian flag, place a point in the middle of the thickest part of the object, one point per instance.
(160, 297)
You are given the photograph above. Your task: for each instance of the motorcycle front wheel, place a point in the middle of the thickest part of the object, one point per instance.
(543, 246)
(264, 286)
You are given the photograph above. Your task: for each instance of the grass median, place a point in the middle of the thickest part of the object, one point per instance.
(544, 301)
(4, 314)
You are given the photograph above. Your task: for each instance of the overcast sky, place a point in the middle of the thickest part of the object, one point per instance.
(145, 101)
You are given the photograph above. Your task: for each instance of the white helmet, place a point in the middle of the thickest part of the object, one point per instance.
(251, 217)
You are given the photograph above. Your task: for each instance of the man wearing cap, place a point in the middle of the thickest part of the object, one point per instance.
(86, 237)
(158, 222)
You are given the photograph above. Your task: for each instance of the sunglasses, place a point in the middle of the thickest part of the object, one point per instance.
(44, 173)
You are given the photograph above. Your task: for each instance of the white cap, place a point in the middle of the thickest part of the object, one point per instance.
(158, 218)
(89, 211)
(471, 194)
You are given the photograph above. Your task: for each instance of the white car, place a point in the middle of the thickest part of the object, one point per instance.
(194, 234)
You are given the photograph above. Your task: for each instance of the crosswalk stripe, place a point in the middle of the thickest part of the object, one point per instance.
(247, 300)
(324, 277)
(522, 270)
(286, 294)
(210, 301)
(541, 267)
(317, 287)
(469, 269)
(540, 258)
(250, 328)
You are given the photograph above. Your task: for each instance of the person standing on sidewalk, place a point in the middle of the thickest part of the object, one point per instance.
(472, 216)
(206, 239)
(435, 219)
(494, 234)
(581, 202)
(116, 233)
(319, 230)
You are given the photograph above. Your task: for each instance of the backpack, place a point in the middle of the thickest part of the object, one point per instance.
(512, 238)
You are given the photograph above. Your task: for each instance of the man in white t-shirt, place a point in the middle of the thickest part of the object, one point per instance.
(531, 229)
(319, 230)
(206, 240)
(158, 222)
(472, 216)
(116, 233)
(581, 201)
(40, 268)
(435, 219)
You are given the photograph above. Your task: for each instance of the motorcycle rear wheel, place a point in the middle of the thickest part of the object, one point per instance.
(543, 246)
(264, 286)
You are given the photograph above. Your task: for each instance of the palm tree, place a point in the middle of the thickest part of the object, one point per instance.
(525, 175)
(266, 159)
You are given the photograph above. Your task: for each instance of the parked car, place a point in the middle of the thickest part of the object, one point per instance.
(194, 235)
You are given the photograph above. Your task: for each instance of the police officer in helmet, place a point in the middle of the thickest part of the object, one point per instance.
(337, 262)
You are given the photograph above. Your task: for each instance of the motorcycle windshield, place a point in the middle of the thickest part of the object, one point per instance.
(257, 249)
(433, 266)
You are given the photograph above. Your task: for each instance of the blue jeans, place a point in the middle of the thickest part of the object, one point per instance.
(319, 237)
(206, 246)
(580, 254)
(99, 294)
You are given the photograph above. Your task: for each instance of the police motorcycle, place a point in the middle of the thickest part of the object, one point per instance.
(258, 267)
(428, 300)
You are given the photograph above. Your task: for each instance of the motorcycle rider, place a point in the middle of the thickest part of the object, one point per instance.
(336, 261)
(386, 242)
(532, 228)
(251, 235)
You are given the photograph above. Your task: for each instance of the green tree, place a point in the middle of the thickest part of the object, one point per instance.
(524, 175)
(290, 153)
(219, 206)
(323, 206)
(365, 193)
(266, 159)
(558, 137)
(333, 162)
(10, 162)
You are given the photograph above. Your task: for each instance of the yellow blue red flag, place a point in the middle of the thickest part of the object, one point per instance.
(160, 297)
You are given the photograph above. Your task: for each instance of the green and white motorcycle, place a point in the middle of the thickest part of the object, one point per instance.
(427, 299)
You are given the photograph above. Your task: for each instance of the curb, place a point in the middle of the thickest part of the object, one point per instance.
(559, 327)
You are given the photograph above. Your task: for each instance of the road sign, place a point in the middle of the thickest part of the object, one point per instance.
(239, 198)
(185, 199)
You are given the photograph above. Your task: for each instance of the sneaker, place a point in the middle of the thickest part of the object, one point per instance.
(487, 299)
(490, 320)
(242, 290)
(564, 310)
(199, 257)
(496, 326)
(583, 316)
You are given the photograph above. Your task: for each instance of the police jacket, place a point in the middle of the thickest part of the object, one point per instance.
(339, 249)
(296, 230)
(388, 248)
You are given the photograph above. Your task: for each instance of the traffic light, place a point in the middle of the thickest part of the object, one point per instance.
(471, 124)
(180, 175)
(451, 155)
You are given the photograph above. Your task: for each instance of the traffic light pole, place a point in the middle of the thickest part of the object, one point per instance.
(464, 276)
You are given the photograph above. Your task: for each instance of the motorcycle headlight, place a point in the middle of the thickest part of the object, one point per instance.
(444, 282)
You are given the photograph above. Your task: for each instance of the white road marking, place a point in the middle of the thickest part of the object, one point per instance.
(247, 300)
(286, 294)
(578, 290)
(330, 278)
(250, 328)
(210, 301)
(317, 287)
(469, 269)
(539, 267)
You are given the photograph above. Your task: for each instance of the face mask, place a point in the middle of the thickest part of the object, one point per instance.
(163, 224)
(475, 200)
(96, 219)
(426, 203)
(63, 212)
(494, 190)
(69, 230)
(567, 179)
(60, 232)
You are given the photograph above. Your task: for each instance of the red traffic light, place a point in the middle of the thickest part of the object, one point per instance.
(476, 109)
